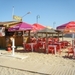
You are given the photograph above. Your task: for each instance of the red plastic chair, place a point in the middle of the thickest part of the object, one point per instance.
(70, 51)
(51, 50)
(58, 48)
(41, 46)
(56, 39)
(50, 42)
(27, 47)
(62, 45)
(35, 47)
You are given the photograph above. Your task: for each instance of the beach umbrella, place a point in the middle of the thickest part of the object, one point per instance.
(37, 27)
(68, 28)
(34, 29)
(21, 27)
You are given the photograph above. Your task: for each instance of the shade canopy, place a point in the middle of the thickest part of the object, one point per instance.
(37, 27)
(47, 30)
(67, 27)
(21, 27)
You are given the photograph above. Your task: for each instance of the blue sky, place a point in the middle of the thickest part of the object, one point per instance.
(50, 11)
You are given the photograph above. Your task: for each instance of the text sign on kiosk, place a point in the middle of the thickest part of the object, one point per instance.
(17, 18)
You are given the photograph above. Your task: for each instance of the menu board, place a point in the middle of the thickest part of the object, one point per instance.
(2, 31)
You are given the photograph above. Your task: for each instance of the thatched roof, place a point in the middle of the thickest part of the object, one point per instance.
(47, 30)
(2, 23)
(59, 31)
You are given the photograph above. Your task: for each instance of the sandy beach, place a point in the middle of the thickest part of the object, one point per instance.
(37, 63)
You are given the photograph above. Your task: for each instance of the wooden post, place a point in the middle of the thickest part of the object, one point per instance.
(46, 43)
(62, 36)
(29, 36)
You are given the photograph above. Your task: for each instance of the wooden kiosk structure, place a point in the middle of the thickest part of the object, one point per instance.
(5, 34)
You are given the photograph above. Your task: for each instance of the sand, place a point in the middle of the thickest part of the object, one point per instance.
(37, 63)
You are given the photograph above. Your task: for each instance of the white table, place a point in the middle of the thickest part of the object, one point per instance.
(32, 44)
(59, 45)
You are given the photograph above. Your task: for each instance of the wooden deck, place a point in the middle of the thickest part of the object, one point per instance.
(39, 69)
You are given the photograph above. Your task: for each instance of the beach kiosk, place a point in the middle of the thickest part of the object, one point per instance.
(5, 35)
(5, 41)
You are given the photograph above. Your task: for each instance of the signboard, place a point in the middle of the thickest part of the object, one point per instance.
(17, 18)
(2, 31)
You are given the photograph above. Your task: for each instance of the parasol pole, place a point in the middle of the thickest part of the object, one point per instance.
(23, 37)
(13, 46)
(46, 43)
(73, 44)
(62, 36)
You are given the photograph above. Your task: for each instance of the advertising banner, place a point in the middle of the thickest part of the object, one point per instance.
(17, 18)
(2, 31)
